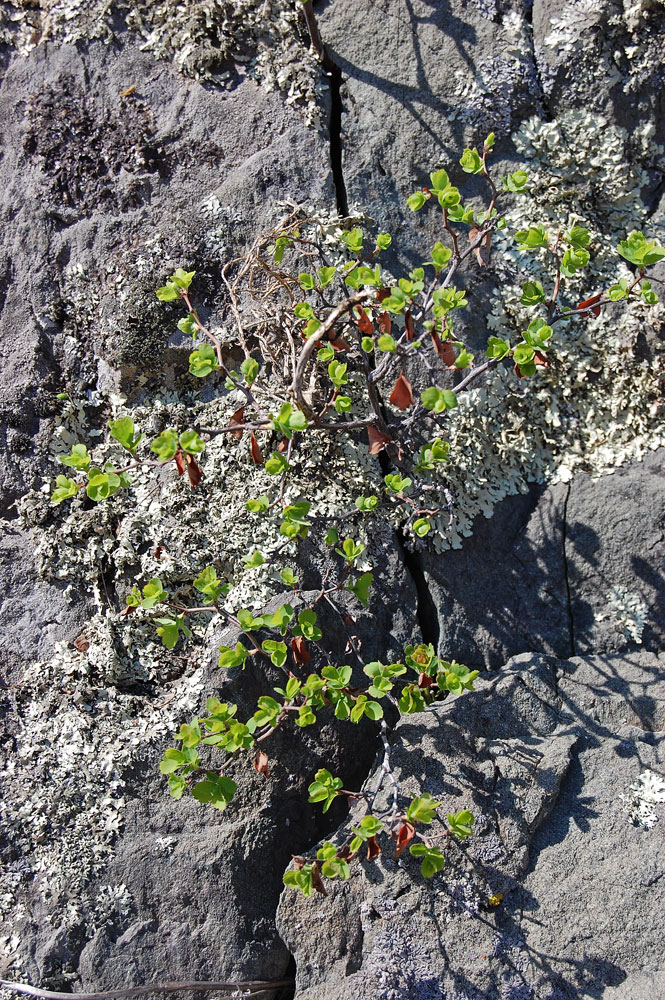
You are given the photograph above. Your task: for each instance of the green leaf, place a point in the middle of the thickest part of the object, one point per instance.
(361, 588)
(354, 240)
(532, 293)
(497, 348)
(182, 279)
(337, 373)
(153, 593)
(216, 790)
(78, 458)
(516, 182)
(325, 354)
(431, 859)
(638, 250)
(188, 325)
(439, 181)
(165, 445)
(326, 276)
(471, 162)
(177, 786)
(276, 464)
(191, 442)
(440, 256)
(102, 485)
(229, 658)
(416, 201)
(367, 504)
(386, 343)
(343, 404)
(301, 878)
(421, 527)
(578, 236)
(258, 505)
(307, 282)
(172, 760)
(303, 311)
(383, 241)
(437, 399)
(422, 809)
(123, 431)
(249, 369)
(460, 823)
(411, 700)
(203, 361)
(167, 293)
(253, 560)
(277, 652)
(324, 788)
(268, 709)
(168, 632)
(532, 238)
(574, 260)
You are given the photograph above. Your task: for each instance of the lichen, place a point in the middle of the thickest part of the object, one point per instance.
(209, 40)
(647, 793)
(627, 611)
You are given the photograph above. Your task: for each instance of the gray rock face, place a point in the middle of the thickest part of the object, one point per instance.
(117, 168)
(575, 568)
(545, 755)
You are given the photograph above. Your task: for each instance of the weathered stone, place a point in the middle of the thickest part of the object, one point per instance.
(573, 568)
(545, 774)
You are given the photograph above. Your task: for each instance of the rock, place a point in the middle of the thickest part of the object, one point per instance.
(573, 568)
(549, 779)
(187, 892)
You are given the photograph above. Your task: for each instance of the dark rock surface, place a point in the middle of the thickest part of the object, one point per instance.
(543, 754)
(576, 568)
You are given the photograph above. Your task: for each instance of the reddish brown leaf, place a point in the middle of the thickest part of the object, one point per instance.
(82, 644)
(237, 418)
(344, 852)
(365, 324)
(483, 250)
(348, 620)
(425, 681)
(518, 372)
(125, 612)
(590, 302)
(405, 835)
(382, 293)
(402, 394)
(339, 344)
(444, 349)
(377, 440)
(300, 651)
(194, 471)
(409, 324)
(283, 445)
(261, 763)
(540, 359)
(257, 457)
(159, 552)
(180, 463)
(316, 881)
(384, 322)
(373, 849)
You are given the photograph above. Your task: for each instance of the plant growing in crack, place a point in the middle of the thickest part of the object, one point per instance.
(337, 347)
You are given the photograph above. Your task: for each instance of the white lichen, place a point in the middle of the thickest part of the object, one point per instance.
(647, 793)
(627, 611)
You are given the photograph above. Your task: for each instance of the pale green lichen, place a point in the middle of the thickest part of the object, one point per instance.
(627, 611)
